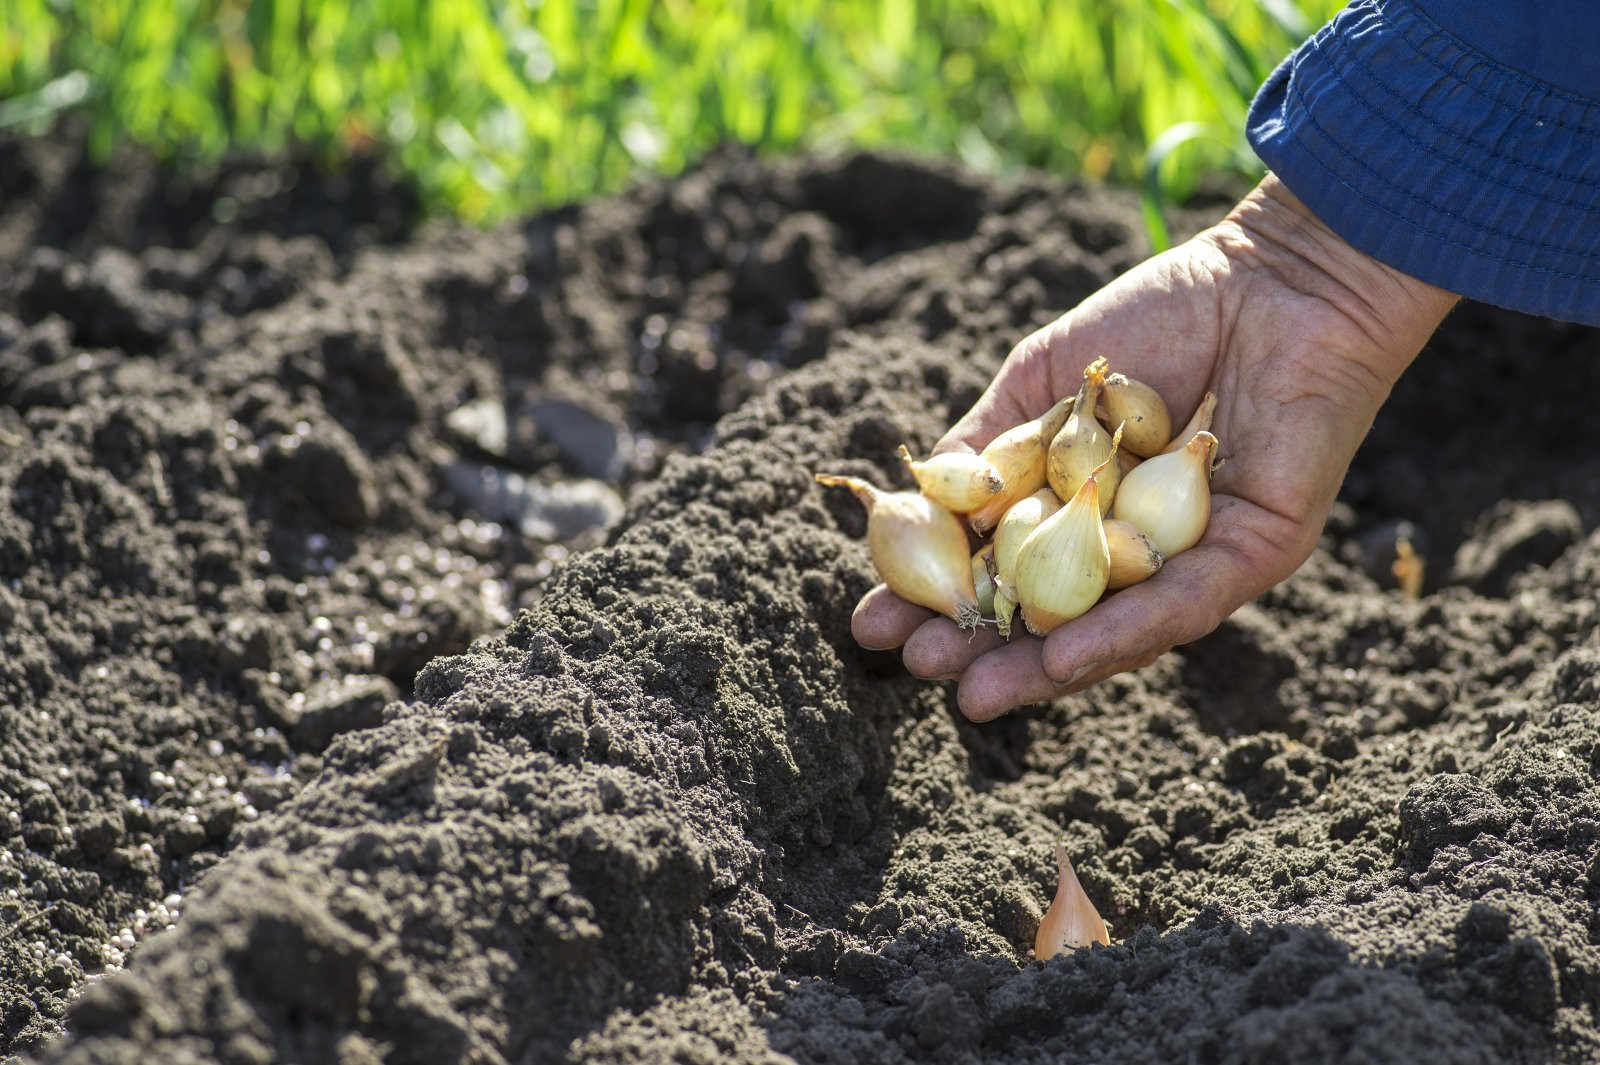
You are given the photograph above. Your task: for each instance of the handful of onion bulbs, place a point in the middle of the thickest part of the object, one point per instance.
(1092, 496)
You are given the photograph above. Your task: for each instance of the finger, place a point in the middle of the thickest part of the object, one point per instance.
(1171, 353)
(1018, 393)
(1095, 674)
(882, 620)
(1008, 677)
(1189, 597)
(940, 649)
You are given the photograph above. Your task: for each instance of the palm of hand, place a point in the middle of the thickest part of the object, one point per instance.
(1300, 365)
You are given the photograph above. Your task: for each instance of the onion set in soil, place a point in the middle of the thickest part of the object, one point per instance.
(1091, 497)
(1071, 921)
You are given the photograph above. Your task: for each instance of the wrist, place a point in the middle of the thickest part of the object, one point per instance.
(1393, 313)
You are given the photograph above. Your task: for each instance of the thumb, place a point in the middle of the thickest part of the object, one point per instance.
(1020, 392)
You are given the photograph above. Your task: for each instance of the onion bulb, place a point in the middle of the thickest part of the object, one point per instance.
(1133, 556)
(1064, 564)
(1200, 421)
(983, 578)
(1408, 568)
(919, 549)
(1005, 607)
(1083, 444)
(1140, 410)
(1019, 456)
(1009, 536)
(1071, 921)
(958, 480)
(1017, 525)
(1169, 496)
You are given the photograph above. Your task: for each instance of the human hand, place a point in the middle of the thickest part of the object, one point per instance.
(1300, 336)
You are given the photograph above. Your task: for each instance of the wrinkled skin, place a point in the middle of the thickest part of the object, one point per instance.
(1300, 336)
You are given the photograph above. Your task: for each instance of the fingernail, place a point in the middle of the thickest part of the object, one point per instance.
(1077, 675)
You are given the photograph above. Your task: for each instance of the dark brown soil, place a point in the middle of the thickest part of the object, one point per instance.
(269, 447)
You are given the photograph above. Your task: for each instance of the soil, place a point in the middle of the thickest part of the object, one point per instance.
(343, 719)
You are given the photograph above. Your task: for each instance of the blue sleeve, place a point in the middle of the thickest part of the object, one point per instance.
(1456, 140)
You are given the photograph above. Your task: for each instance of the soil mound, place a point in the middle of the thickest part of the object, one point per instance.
(645, 799)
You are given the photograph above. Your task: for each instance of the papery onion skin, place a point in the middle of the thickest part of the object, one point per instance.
(1064, 564)
(1018, 524)
(1140, 410)
(918, 548)
(956, 480)
(1005, 609)
(1134, 557)
(1019, 456)
(1199, 421)
(1169, 496)
(1009, 536)
(1083, 443)
(983, 578)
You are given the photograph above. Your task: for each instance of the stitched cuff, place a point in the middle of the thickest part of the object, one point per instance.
(1432, 158)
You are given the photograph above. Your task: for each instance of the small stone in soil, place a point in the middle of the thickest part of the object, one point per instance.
(540, 510)
(591, 444)
(481, 423)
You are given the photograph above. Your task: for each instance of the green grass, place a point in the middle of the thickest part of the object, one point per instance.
(496, 108)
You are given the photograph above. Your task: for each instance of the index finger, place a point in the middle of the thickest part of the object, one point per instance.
(1020, 392)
